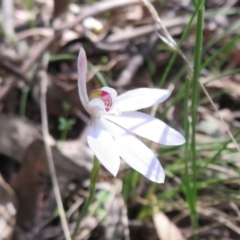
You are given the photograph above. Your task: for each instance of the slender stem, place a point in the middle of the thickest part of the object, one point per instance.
(64, 134)
(49, 155)
(194, 107)
(93, 181)
(187, 180)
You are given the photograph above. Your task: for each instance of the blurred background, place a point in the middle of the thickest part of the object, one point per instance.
(40, 41)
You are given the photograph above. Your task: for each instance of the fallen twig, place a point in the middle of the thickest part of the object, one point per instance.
(50, 156)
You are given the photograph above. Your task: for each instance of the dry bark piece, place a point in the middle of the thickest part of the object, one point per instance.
(16, 135)
(71, 158)
(32, 185)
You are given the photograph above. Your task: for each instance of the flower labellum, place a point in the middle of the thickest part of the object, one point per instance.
(116, 121)
(104, 96)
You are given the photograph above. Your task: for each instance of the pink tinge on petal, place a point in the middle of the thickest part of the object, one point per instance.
(81, 63)
(82, 73)
(104, 96)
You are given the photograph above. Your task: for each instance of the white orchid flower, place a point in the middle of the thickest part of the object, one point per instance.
(115, 122)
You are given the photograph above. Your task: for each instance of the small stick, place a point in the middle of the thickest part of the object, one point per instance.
(8, 12)
(46, 138)
(12, 69)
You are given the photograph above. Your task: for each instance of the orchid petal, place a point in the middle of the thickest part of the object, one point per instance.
(82, 74)
(141, 98)
(135, 153)
(148, 127)
(102, 144)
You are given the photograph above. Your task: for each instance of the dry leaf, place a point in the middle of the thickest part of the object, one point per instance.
(33, 182)
(166, 229)
(13, 132)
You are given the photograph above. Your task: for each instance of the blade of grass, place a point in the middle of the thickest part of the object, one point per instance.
(23, 101)
(220, 50)
(98, 74)
(194, 107)
(186, 176)
(93, 181)
(173, 58)
(60, 57)
(219, 152)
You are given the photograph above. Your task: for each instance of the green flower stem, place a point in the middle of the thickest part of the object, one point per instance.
(93, 181)
(194, 107)
(187, 177)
